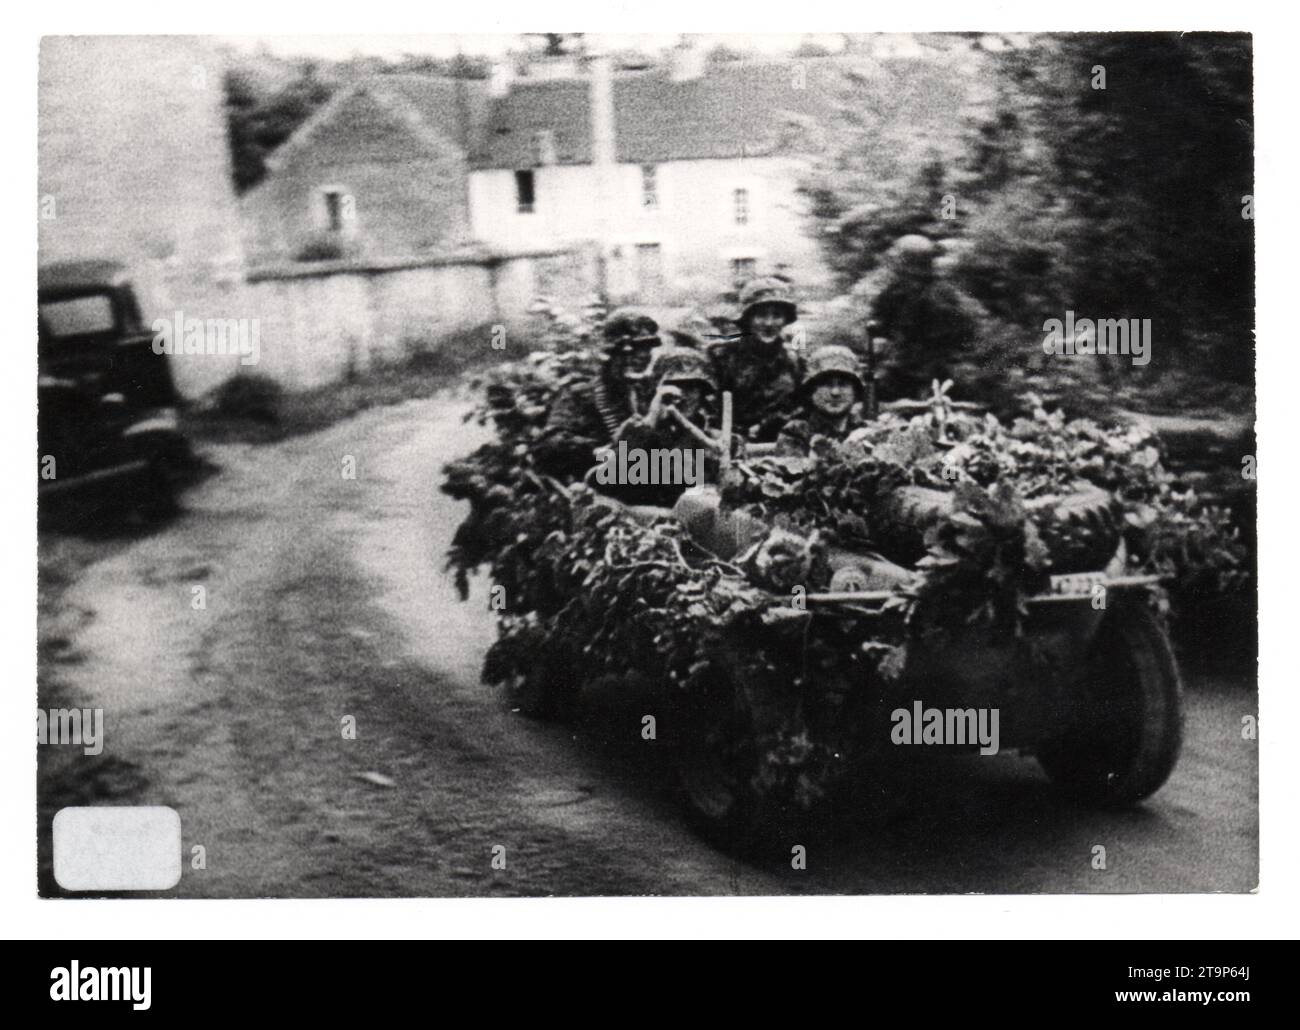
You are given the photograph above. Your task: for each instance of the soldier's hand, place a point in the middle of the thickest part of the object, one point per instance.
(665, 398)
(700, 434)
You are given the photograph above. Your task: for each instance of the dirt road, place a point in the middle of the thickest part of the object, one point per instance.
(324, 606)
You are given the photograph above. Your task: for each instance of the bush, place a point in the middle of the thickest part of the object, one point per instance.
(326, 246)
(250, 395)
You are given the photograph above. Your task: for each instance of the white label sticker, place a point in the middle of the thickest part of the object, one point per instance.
(117, 848)
(1077, 583)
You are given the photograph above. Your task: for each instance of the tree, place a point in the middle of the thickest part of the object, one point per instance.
(1103, 174)
(261, 117)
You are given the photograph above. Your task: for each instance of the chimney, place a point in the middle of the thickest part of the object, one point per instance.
(686, 62)
(502, 75)
(550, 68)
(602, 110)
(604, 155)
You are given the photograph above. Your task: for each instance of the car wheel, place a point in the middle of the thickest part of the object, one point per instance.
(1129, 730)
(156, 499)
(717, 760)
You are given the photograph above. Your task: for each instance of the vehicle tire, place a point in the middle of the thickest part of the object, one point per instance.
(1080, 529)
(156, 498)
(717, 759)
(899, 524)
(1126, 739)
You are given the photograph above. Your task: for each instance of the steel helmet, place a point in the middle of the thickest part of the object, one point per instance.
(833, 359)
(629, 326)
(685, 338)
(681, 365)
(768, 290)
(913, 249)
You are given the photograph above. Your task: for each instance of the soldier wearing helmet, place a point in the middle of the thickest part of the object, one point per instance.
(678, 421)
(913, 250)
(683, 380)
(930, 324)
(631, 337)
(587, 415)
(832, 393)
(757, 367)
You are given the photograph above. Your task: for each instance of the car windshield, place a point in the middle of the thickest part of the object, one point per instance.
(78, 316)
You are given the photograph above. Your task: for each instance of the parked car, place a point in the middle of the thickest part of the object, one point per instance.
(107, 404)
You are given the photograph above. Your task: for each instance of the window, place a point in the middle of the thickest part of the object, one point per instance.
(740, 206)
(334, 210)
(543, 148)
(649, 188)
(743, 269)
(78, 316)
(524, 191)
(339, 206)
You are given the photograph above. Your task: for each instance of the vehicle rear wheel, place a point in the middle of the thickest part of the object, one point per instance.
(718, 761)
(155, 498)
(1126, 739)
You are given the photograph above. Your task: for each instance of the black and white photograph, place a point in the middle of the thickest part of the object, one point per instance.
(655, 464)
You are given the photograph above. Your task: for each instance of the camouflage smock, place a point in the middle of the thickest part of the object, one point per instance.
(763, 379)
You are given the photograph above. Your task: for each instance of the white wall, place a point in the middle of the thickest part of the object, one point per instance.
(318, 322)
(694, 223)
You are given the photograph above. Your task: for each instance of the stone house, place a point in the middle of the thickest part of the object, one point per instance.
(382, 170)
(684, 177)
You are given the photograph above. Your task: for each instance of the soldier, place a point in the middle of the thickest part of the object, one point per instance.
(931, 325)
(674, 434)
(587, 415)
(759, 370)
(832, 394)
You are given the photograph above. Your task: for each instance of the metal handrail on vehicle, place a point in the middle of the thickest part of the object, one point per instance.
(880, 596)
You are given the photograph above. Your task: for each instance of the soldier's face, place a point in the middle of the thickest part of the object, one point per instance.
(690, 397)
(766, 323)
(834, 395)
(631, 360)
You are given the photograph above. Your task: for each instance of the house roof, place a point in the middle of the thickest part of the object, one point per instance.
(437, 110)
(562, 106)
(454, 108)
(735, 109)
(732, 110)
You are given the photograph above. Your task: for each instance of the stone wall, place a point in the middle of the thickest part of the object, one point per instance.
(319, 321)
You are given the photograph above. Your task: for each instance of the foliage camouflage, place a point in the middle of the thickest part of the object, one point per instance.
(592, 592)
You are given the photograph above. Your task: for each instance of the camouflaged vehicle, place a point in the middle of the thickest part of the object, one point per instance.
(1091, 687)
